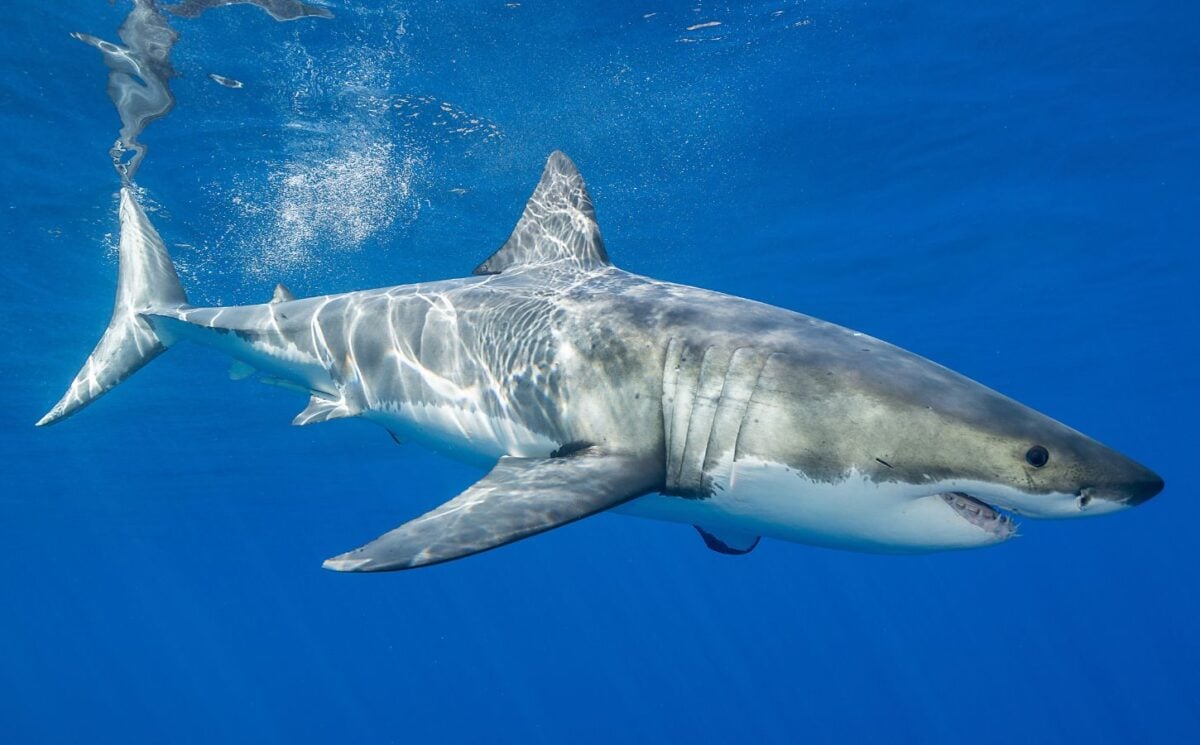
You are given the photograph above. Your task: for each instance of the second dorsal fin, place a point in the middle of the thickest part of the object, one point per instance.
(282, 294)
(557, 228)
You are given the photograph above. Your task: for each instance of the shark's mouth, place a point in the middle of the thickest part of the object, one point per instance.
(981, 514)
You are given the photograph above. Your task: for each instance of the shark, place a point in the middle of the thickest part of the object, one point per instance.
(584, 388)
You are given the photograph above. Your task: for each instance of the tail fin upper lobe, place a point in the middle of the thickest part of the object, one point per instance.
(146, 282)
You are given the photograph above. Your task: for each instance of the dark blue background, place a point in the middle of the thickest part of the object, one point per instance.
(1010, 191)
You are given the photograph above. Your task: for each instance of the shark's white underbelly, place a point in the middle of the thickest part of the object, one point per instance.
(463, 432)
(753, 497)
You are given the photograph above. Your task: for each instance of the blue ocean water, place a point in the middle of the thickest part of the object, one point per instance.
(1010, 191)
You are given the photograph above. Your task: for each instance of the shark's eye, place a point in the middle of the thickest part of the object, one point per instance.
(1037, 456)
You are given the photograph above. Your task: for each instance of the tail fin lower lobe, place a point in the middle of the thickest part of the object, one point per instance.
(146, 282)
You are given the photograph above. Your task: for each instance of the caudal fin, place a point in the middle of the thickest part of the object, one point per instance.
(146, 282)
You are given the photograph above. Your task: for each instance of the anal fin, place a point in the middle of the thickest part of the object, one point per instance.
(239, 370)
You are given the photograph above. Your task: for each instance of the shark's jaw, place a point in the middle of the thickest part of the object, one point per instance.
(858, 513)
(981, 514)
(854, 512)
(1002, 500)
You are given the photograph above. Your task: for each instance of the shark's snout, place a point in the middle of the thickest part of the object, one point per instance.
(1141, 490)
(1134, 489)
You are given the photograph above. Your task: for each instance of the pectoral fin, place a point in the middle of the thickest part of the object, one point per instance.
(520, 497)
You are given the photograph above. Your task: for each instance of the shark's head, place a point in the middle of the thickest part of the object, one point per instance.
(916, 457)
(1008, 455)
(959, 438)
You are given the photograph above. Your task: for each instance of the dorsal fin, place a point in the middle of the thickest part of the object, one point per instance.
(282, 294)
(558, 225)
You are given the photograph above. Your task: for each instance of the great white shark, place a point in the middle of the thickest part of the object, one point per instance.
(586, 388)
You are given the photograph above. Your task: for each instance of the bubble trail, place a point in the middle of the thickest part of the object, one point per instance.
(280, 10)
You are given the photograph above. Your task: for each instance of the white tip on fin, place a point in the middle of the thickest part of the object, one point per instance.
(344, 565)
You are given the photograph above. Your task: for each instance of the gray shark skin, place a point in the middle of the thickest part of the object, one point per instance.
(586, 388)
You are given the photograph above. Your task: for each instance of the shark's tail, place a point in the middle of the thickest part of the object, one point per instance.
(146, 282)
